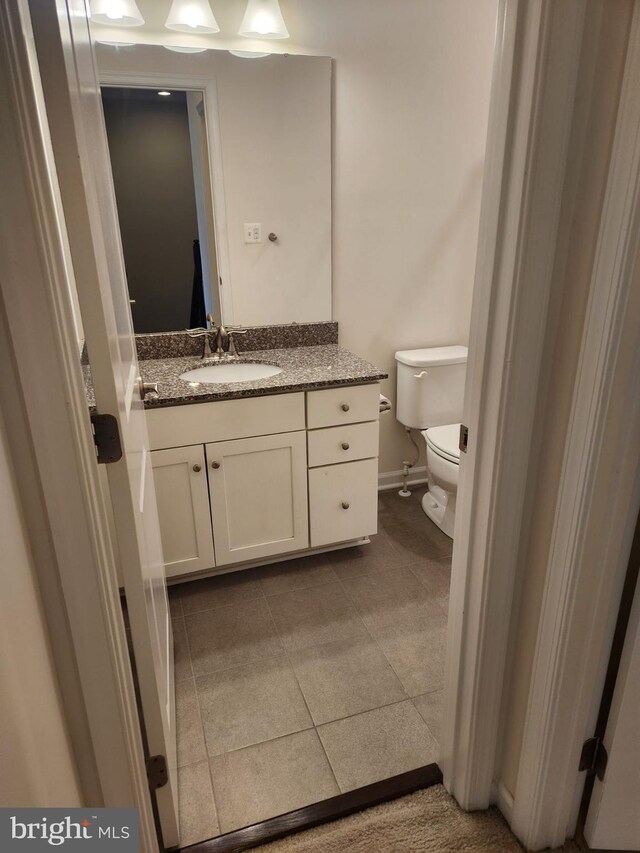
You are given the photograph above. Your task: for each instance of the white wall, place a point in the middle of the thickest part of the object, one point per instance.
(411, 95)
(35, 754)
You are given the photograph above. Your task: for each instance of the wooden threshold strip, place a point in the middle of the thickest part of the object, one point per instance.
(322, 812)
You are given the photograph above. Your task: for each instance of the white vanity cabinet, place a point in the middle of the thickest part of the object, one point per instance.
(240, 481)
(343, 492)
(258, 490)
(182, 495)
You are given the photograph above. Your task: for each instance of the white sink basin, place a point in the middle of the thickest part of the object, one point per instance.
(226, 372)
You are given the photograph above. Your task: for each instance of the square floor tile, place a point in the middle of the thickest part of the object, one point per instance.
(250, 704)
(435, 575)
(416, 651)
(394, 509)
(231, 636)
(196, 806)
(270, 779)
(377, 745)
(344, 678)
(220, 591)
(300, 573)
(415, 542)
(392, 598)
(181, 656)
(308, 617)
(429, 706)
(190, 736)
(376, 556)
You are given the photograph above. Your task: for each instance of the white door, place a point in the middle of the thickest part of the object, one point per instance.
(613, 818)
(180, 477)
(79, 141)
(258, 489)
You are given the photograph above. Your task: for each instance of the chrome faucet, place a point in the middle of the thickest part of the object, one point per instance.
(226, 336)
(221, 336)
(201, 332)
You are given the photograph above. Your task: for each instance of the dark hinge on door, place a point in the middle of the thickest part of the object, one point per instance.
(157, 773)
(464, 438)
(594, 757)
(106, 437)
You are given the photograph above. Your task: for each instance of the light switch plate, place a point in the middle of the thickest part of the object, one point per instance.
(252, 232)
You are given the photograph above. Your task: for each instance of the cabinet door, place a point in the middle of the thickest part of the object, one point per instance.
(258, 491)
(343, 502)
(180, 476)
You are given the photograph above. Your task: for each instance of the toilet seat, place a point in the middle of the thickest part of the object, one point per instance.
(444, 441)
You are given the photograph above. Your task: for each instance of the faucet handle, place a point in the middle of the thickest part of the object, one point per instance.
(231, 333)
(197, 332)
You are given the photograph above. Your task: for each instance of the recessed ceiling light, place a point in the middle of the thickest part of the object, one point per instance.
(164, 93)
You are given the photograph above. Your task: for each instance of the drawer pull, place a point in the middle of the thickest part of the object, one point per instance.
(345, 504)
(215, 465)
(345, 407)
(197, 468)
(345, 445)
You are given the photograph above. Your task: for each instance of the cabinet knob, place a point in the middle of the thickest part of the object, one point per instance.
(345, 407)
(197, 468)
(215, 465)
(345, 504)
(345, 445)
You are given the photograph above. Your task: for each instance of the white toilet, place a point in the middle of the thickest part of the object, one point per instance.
(430, 395)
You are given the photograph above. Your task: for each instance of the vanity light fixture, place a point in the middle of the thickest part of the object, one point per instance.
(117, 43)
(116, 13)
(176, 49)
(263, 20)
(191, 16)
(164, 93)
(248, 54)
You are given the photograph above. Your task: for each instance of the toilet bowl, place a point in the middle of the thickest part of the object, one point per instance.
(443, 463)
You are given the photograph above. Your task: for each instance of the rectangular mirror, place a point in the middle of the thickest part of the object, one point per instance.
(222, 173)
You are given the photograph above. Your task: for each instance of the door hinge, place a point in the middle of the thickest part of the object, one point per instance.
(464, 438)
(106, 437)
(157, 772)
(594, 757)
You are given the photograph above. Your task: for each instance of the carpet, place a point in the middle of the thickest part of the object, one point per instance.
(428, 821)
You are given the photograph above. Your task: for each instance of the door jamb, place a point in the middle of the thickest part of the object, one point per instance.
(536, 64)
(37, 283)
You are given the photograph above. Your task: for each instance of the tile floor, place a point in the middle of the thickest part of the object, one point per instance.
(304, 679)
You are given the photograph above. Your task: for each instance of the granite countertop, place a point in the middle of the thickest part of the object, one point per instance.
(303, 369)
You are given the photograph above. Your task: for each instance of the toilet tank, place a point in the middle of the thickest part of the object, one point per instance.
(430, 386)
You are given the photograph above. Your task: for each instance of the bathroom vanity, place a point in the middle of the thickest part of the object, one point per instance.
(246, 472)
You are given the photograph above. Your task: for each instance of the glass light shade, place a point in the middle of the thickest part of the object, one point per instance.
(191, 16)
(263, 20)
(177, 49)
(116, 13)
(248, 54)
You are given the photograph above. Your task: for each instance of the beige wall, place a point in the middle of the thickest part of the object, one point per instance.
(594, 121)
(35, 754)
(411, 95)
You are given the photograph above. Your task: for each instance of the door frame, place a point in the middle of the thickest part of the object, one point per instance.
(64, 506)
(510, 314)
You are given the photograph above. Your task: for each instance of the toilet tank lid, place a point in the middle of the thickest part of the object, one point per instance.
(432, 356)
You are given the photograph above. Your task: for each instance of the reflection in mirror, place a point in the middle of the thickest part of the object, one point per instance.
(157, 144)
(223, 186)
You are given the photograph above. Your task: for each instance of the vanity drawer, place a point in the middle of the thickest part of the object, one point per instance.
(343, 502)
(348, 404)
(179, 426)
(342, 443)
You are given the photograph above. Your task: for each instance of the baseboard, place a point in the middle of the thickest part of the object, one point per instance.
(503, 799)
(393, 479)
